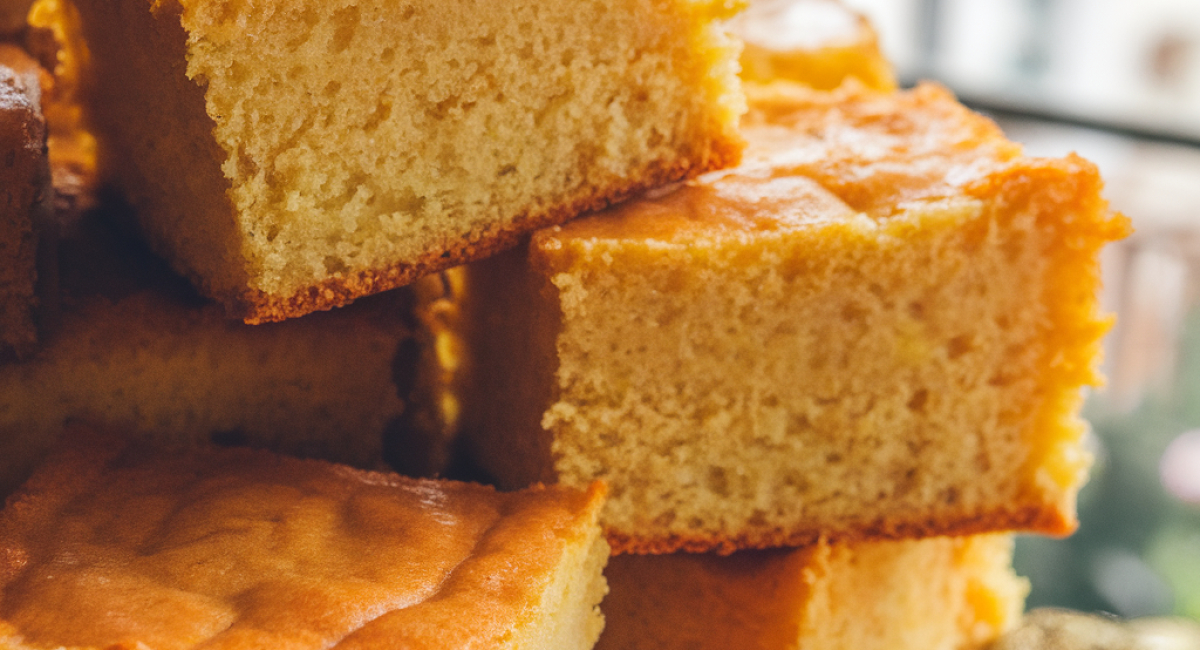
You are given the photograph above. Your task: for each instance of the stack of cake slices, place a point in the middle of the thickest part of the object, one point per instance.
(865, 344)
(803, 377)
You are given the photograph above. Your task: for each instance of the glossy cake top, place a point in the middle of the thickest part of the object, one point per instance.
(816, 158)
(116, 543)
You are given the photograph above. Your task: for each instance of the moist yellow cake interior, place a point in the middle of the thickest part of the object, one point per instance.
(347, 136)
(956, 362)
(819, 43)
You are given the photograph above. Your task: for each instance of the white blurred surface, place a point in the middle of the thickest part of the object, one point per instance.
(1131, 64)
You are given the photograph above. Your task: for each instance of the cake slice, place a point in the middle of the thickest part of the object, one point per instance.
(878, 326)
(114, 544)
(55, 38)
(24, 193)
(818, 43)
(934, 594)
(292, 156)
(12, 16)
(134, 345)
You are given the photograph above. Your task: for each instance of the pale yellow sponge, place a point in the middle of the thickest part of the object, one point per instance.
(879, 325)
(25, 197)
(292, 156)
(114, 544)
(935, 594)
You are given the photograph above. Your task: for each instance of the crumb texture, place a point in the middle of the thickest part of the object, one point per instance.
(232, 548)
(349, 142)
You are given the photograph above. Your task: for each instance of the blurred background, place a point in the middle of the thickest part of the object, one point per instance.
(1119, 83)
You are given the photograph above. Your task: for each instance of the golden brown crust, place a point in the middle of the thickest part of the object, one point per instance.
(257, 307)
(1031, 519)
(780, 44)
(242, 548)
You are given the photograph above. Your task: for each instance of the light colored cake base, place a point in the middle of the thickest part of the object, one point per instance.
(934, 594)
(134, 346)
(291, 156)
(114, 544)
(821, 44)
(880, 325)
(24, 195)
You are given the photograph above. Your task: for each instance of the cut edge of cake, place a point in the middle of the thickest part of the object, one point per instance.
(531, 573)
(235, 254)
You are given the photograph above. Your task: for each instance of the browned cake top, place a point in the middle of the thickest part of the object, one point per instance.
(12, 16)
(115, 543)
(864, 236)
(817, 158)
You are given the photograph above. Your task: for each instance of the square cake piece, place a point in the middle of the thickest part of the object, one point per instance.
(819, 43)
(291, 156)
(940, 593)
(116, 544)
(878, 326)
